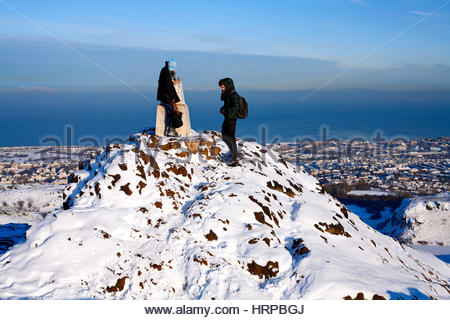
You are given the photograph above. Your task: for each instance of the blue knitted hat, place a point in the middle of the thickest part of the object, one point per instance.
(172, 64)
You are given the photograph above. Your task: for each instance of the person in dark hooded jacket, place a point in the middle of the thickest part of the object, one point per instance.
(229, 110)
(168, 95)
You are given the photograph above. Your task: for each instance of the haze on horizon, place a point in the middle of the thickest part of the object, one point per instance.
(263, 45)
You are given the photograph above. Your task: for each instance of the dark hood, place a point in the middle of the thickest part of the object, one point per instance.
(229, 84)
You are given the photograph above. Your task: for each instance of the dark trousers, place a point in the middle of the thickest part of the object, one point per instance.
(228, 136)
(168, 126)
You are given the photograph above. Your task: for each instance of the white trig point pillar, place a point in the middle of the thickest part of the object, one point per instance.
(185, 130)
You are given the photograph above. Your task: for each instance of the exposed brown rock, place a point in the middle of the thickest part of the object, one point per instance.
(120, 284)
(266, 210)
(183, 154)
(298, 247)
(205, 153)
(105, 234)
(270, 270)
(153, 143)
(360, 296)
(211, 236)
(297, 187)
(153, 163)
(141, 186)
(336, 229)
(170, 145)
(144, 157)
(156, 266)
(201, 260)
(177, 169)
(97, 190)
(280, 159)
(126, 188)
(116, 177)
(344, 210)
(192, 146)
(259, 216)
(123, 166)
(213, 133)
(156, 174)
(214, 151)
(141, 172)
(73, 178)
(274, 185)
(170, 193)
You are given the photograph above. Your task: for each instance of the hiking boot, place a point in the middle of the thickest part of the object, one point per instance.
(233, 163)
(173, 134)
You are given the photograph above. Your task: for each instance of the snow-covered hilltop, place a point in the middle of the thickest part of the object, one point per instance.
(421, 220)
(426, 220)
(164, 218)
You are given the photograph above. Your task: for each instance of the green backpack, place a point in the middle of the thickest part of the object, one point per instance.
(243, 107)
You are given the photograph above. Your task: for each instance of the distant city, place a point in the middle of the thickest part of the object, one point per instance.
(40, 165)
(417, 166)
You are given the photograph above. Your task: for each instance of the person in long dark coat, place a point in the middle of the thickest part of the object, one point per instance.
(229, 110)
(167, 95)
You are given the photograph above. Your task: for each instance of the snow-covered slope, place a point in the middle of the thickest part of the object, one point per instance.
(163, 218)
(426, 220)
(418, 220)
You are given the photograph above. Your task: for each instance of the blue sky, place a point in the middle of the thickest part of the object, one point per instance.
(263, 44)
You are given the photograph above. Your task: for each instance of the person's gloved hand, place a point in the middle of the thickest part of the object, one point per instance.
(174, 106)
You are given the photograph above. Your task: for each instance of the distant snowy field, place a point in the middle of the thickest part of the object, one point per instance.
(29, 203)
(370, 193)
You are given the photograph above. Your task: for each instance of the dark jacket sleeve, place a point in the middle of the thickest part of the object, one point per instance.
(231, 105)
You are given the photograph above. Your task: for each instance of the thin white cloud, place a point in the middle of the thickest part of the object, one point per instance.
(358, 2)
(423, 13)
(419, 13)
(29, 89)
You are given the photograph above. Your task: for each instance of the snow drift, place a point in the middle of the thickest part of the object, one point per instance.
(423, 220)
(426, 220)
(165, 218)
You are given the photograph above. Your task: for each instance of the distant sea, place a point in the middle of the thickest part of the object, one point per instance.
(43, 118)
